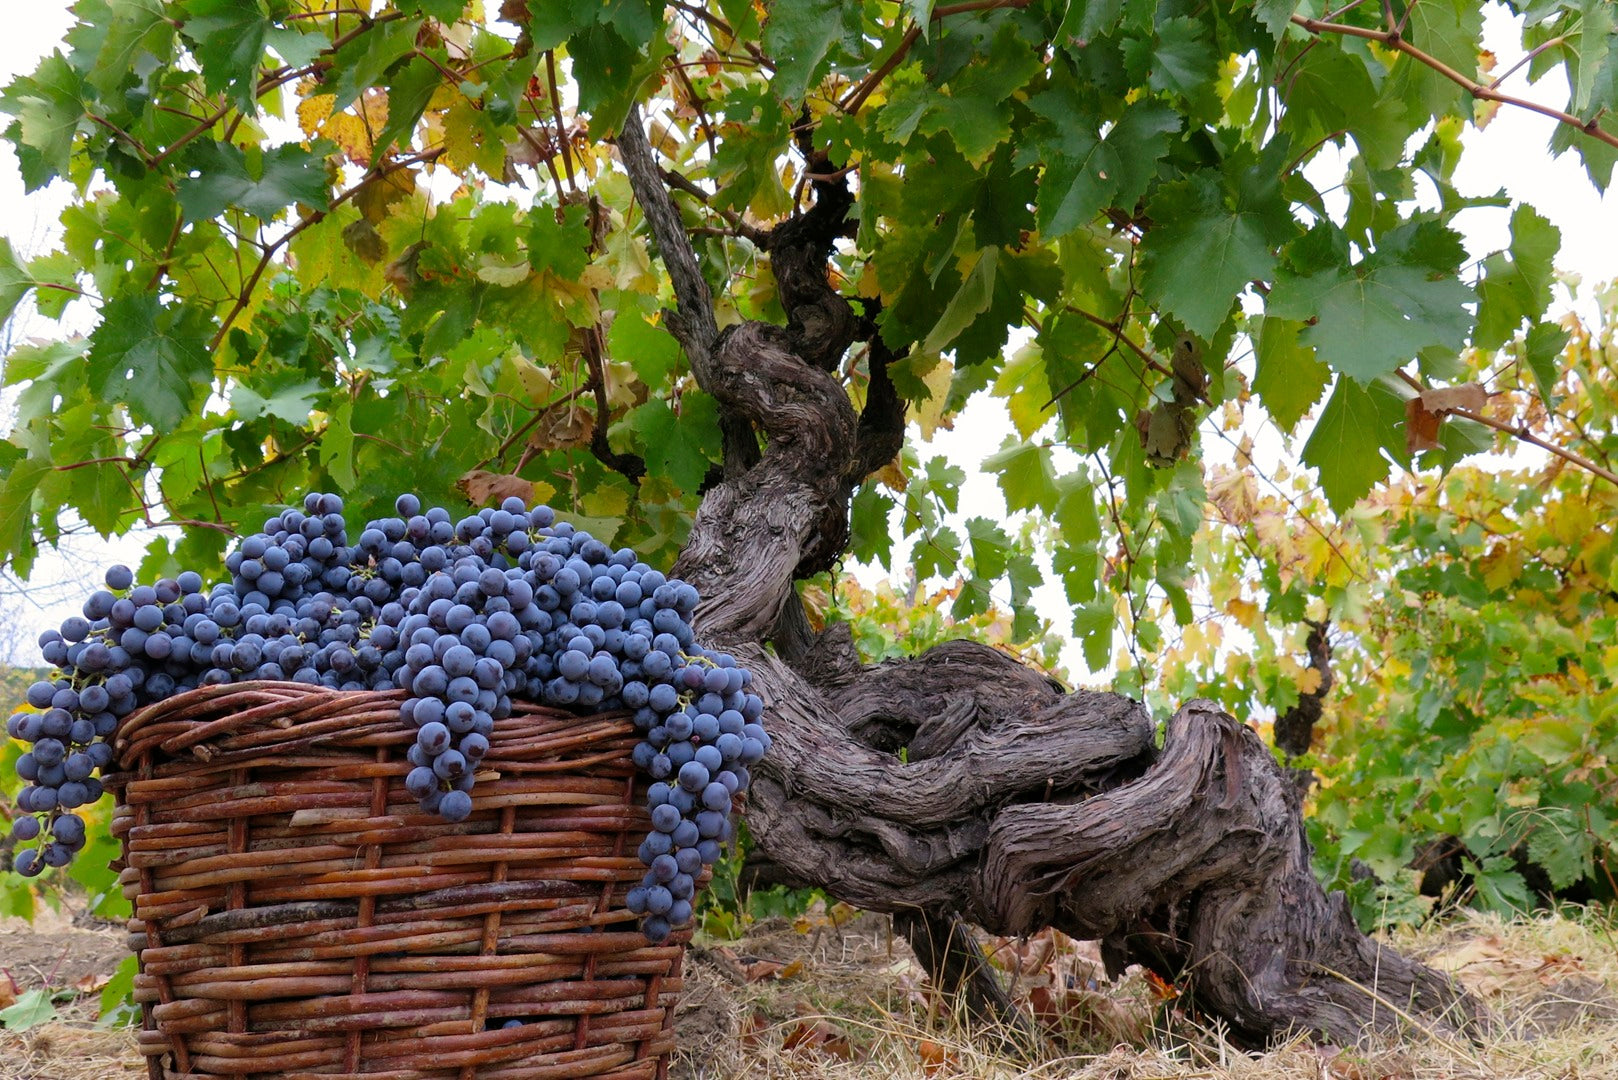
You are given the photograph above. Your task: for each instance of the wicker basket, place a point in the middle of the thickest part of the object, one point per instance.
(297, 915)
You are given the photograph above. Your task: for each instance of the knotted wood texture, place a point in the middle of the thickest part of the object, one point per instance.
(960, 784)
(297, 915)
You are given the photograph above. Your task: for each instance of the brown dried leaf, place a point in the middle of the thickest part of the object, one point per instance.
(759, 970)
(1425, 412)
(1087, 1015)
(1421, 427)
(754, 1028)
(482, 487)
(565, 425)
(93, 983)
(1468, 396)
(936, 1058)
(820, 1036)
(361, 237)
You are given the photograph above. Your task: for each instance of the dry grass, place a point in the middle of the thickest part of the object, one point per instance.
(1552, 981)
(69, 1051)
(849, 1003)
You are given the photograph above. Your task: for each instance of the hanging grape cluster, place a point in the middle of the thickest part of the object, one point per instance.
(462, 615)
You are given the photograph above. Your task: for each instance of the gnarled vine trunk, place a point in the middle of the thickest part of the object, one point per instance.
(1016, 805)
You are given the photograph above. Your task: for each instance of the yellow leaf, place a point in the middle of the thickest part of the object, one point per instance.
(1308, 681)
(1502, 566)
(313, 110)
(501, 271)
(1235, 494)
(348, 131)
(1023, 386)
(930, 414)
(461, 131)
(535, 379)
(1245, 612)
(596, 276)
(893, 474)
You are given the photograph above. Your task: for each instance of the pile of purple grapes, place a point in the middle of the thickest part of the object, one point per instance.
(464, 615)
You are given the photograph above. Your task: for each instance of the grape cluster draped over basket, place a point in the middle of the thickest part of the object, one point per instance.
(464, 616)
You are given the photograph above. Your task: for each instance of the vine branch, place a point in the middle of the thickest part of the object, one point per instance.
(1521, 432)
(1395, 40)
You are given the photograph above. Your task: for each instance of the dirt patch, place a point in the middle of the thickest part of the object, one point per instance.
(59, 954)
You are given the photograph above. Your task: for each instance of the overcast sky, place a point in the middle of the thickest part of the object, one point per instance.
(1511, 153)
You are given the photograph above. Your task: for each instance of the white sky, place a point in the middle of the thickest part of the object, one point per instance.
(1511, 153)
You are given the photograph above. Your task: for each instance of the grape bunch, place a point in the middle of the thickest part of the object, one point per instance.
(463, 616)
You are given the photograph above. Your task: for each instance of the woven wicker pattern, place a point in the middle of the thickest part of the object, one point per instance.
(297, 915)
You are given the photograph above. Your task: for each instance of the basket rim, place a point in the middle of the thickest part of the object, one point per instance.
(260, 698)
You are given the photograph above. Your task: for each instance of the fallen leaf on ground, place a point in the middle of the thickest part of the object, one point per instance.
(936, 1058)
(92, 983)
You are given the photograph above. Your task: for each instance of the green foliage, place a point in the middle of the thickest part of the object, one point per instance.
(728, 906)
(1093, 213)
(29, 1010)
(1475, 621)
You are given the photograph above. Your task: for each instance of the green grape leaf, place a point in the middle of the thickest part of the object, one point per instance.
(30, 1010)
(286, 397)
(1201, 255)
(1542, 350)
(445, 11)
(1592, 73)
(1345, 447)
(667, 441)
(136, 28)
(1370, 319)
(1093, 625)
(800, 34)
(1500, 887)
(227, 38)
(1026, 476)
(970, 300)
(263, 185)
(1562, 849)
(1289, 379)
(1448, 30)
(1517, 287)
(1600, 158)
(364, 59)
(944, 481)
(610, 69)
(1183, 60)
(975, 109)
(409, 91)
(151, 356)
(563, 248)
(15, 281)
(48, 106)
(22, 478)
(1141, 139)
(119, 989)
(1275, 15)
(870, 539)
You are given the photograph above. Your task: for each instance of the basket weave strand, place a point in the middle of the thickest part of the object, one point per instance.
(297, 915)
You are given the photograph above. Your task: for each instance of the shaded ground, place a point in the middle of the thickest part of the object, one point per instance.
(837, 995)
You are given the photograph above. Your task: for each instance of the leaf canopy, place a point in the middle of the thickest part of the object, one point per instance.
(317, 248)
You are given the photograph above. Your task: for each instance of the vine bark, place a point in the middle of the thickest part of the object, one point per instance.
(1015, 804)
